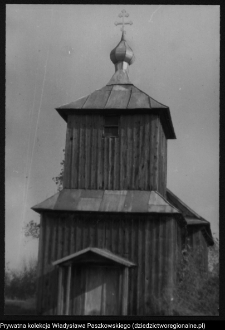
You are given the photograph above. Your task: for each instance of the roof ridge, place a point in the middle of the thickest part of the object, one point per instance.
(190, 209)
(150, 97)
(166, 200)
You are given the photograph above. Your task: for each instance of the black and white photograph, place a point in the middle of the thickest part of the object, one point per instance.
(112, 160)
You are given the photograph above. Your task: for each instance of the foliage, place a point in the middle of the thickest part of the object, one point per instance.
(32, 229)
(214, 255)
(59, 179)
(196, 292)
(21, 284)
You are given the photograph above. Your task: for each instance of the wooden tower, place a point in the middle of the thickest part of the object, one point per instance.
(111, 240)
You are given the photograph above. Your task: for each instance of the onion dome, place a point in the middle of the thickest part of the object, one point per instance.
(122, 56)
(122, 53)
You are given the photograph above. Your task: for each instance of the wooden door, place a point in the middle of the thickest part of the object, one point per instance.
(96, 290)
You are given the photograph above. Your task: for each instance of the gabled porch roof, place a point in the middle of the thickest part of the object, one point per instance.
(93, 254)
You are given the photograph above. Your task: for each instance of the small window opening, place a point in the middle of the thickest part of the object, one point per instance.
(111, 126)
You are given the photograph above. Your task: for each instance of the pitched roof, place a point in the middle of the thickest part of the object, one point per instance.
(107, 201)
(191, 217)
(123, 98)
(92, 254)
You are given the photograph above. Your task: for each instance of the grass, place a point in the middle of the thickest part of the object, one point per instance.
(20, 307)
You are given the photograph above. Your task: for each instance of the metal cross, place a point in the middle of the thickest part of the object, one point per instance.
(123, 14)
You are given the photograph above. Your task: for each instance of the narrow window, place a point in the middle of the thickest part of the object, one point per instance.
(111, 126)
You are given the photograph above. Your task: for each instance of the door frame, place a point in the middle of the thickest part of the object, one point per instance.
(89, 256)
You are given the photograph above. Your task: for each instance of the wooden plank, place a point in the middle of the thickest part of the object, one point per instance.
(156, 154)
(72, 234)
(68, 289)
(159, 161)
(46, 265)
(151, 150)
(129, 152)
(124, 155)
(142, 161)
(147, 267)
(121, 292)
(85, 232)
(116, 164)
(121, 237)
(153, 265)
(134, 137)
(137, 150)
(78, 289)
(90, 232)
(125, 291)
(65, 240)
(160, 260)
(111, 291)
(114, 229)
(106, 162)
(170, 262)
(52, 257)
(122, 119)
(68, 154)
(75, 152)
(146, 185)
(165, 166)
(78, 227)
(108, 234)
(60, 291)
(93, 292)
(132, 271)
(99, 152)
(87, 152)
(94, 147)
(81, 183)
(101, 233)
(127, 250)
(163, 163)
(140, 269)
(110, 166)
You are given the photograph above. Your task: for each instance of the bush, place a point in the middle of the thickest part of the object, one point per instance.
(21, 284)
(196, 292)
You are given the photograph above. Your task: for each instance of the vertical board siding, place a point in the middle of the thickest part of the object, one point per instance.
(134, 160)
(199, 247)
(149, 241)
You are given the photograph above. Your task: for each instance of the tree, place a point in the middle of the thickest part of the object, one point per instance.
(21, 284)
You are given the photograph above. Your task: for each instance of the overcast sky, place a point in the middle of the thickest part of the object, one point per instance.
(56, 54)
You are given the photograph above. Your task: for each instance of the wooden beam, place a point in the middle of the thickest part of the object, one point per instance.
(59, 309)
(125, 291)
(68, 286)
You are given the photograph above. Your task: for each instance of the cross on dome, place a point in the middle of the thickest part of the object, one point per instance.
(122, 15)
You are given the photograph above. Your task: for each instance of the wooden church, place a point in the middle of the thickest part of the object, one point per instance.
(111, 239)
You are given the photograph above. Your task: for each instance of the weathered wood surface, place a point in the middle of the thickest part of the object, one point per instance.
(137, 159)
(148, 241)
(119, 97)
